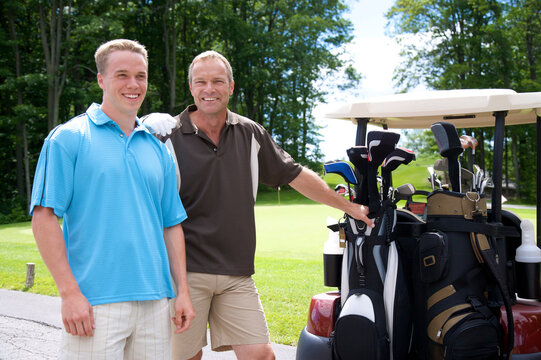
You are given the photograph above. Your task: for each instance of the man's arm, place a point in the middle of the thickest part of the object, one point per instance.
(313, 187)
(176, 251)
(77, 314)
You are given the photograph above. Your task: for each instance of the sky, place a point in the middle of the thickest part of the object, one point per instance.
(375, 57)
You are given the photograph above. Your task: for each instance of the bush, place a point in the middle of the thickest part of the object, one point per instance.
(18, 214)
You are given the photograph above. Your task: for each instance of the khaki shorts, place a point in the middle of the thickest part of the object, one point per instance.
(231, 307)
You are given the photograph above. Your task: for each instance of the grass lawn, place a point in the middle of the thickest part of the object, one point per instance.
(289, 261)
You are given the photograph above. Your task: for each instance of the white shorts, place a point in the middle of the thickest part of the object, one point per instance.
(125, 330)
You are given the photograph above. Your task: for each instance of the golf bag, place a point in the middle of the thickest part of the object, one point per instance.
(456, 265)
(373, 281)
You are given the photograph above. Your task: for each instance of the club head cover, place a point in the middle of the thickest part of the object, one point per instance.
(447, 139)
(358, 156)
(380, 144)
(396, 158)
(450, 147)
(392, 161)
(343, 169)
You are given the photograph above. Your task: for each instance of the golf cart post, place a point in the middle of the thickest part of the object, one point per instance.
(464, 109)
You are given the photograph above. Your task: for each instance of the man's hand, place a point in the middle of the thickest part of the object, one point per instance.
(77, 315)
(184, 313)
(360, 212)
(159, 123)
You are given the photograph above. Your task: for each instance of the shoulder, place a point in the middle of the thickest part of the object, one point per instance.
(69, 133)
(245, 123)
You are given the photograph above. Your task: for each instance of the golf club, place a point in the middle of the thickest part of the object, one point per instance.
(380, 145)
(392, 161)
(403, 192)
(465, 174)
(358, 155)
(344, 170)
(432, 176)
(450, 147)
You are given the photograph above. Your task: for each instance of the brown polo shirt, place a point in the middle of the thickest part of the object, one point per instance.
(218, 187)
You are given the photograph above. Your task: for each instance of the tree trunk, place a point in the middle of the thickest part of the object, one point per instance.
(26, 167)
(170, 43)
(21, 143)
(514, 140)
(481, 151)
(52, 45)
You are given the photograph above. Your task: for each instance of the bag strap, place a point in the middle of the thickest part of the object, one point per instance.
(485, 249)
(460, 225)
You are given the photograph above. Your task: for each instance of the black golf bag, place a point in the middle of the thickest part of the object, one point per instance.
(455, 271)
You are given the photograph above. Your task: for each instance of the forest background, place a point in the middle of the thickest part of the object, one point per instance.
(287, 56)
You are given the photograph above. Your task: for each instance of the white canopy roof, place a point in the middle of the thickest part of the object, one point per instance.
(463, 108)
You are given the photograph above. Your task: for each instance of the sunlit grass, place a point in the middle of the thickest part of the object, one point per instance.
(289, 262)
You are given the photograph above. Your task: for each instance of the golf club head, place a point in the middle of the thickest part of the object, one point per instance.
(466, 141)
(447, 139)
(466, 175)
(474, 144)
(341, 189)
(441, 164)
(403, 192)
(469, 142)
(341, 168)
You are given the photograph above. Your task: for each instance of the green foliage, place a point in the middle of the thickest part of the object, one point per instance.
(15, 215)
(469, 44)
(279, 51)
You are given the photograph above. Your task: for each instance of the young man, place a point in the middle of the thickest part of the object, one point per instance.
(222, 157)
(113, 184)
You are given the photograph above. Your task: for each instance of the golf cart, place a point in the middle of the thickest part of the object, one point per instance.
(443, 111)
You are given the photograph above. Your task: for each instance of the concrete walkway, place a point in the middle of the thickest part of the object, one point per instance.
(30, 329)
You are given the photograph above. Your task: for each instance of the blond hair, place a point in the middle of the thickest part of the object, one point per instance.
(211, 55)
(102, 54)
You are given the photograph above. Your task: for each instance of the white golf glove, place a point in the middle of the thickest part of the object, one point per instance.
(159, 123)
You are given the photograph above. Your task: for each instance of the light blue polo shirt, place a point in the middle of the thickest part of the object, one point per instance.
(115, 195)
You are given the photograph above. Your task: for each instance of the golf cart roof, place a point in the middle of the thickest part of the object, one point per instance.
(463, 108)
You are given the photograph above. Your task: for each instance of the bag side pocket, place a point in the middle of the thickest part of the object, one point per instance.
(433, 254)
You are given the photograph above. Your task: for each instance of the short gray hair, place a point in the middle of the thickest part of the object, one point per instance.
(211, 55)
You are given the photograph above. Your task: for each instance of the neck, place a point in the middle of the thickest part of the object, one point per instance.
(212, 126)
(126, 122)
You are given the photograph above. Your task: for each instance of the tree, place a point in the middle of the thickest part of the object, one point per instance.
(280, 51)
(55, 39)
(474, 44)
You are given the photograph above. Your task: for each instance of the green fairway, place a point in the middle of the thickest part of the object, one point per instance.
(289, 260)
